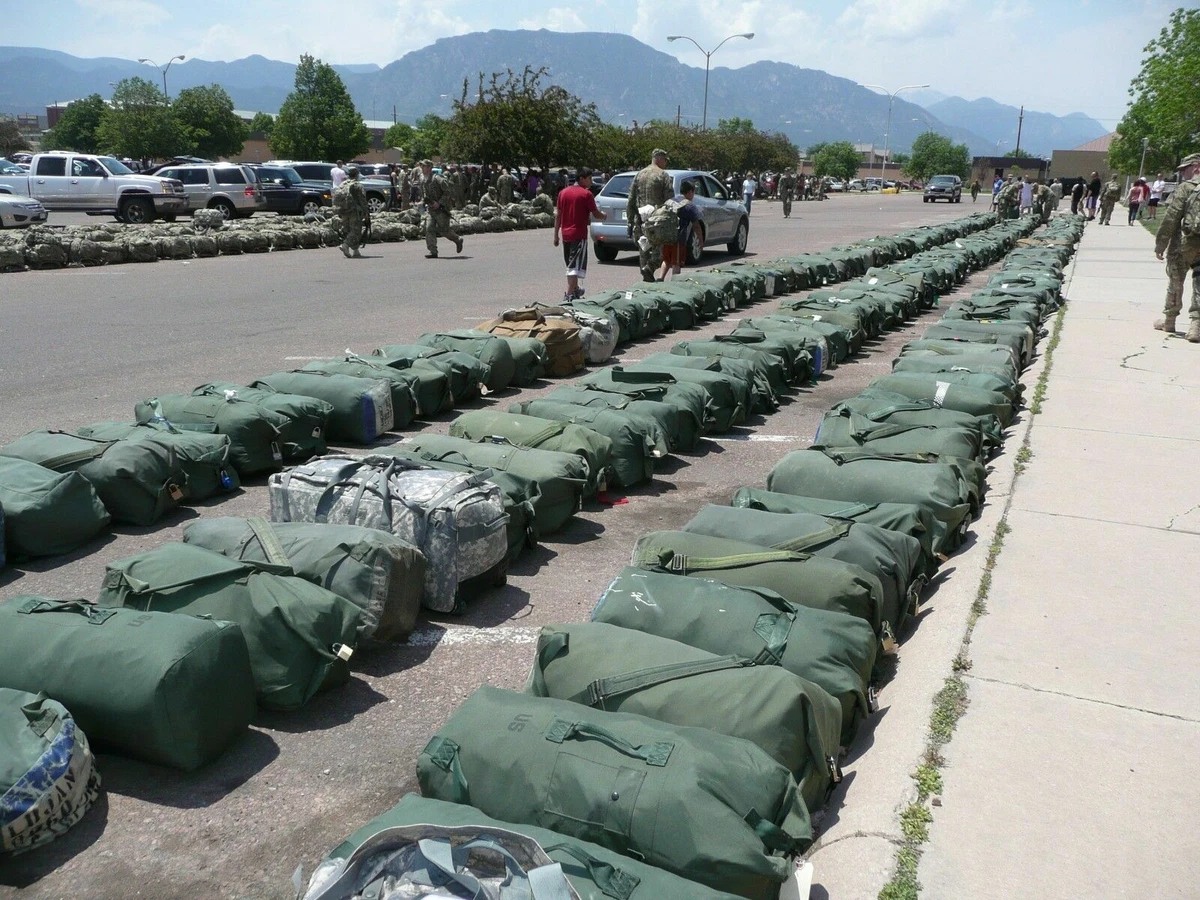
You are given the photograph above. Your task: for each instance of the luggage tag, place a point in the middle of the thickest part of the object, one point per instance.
(629, 295)
(799, 886)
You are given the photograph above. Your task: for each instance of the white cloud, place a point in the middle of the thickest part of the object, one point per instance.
(141, 12)
(557, 18)
(894, 21)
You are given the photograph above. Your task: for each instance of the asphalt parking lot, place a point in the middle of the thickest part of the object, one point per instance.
(82, 345)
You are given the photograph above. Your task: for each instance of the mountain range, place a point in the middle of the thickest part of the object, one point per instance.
(808, 105)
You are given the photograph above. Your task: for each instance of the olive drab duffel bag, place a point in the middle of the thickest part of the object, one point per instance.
(406, 391)
(562, 478)
(541, 434)
(204, 457)
(846, 428)
(138, 482)
(691, 403)
(802, 578)
(305, 419)
(619, 670)
(892, 408)
(559, 334)
(893, 558)
(831, 649)
(378, 572)
(774, 369)
(595, 872)
(750, 379)
(705, 806)
(49, 779)
(493, 352)
(456, 520)
(728, 397)
(361, 407)
(530, 358)
(977, 401)
(679, 429)
(170, 689)
(299, 635)
(464, 374)
(46, 512)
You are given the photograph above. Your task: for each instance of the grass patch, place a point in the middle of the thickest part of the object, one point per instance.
(1151, 225)
(904, 885)
(929, 781)
(1039, 392)
(1024, 455)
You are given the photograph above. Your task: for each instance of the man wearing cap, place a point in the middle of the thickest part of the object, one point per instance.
(505, 183)
(350, 202)
(437, 210)
(787, 191)
(652, 187)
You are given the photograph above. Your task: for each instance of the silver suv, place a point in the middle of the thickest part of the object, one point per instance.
(231, 188)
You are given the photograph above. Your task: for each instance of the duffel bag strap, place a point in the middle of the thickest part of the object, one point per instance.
(653, 754)
(671, 561)
(772, 836)
(600, 690)
(269, 541)
(96, 615)
(443, 753)
(841, 455)
(805, 543)
(450, 865)
(554, 429)
(612, 882)
(863, 428)
(774, 629)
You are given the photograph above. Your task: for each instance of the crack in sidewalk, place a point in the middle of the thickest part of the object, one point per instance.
(819, 845)
(1125, 360)
(1176, 518)
(1070, 696)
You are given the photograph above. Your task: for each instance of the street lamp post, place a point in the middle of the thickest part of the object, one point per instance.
(707, 60)
(1142, 164)
(887, 132)
(164, 69)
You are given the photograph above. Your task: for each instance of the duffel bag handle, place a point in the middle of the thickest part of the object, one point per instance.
(601, 690)
(842, 455)
(613, 882)
(96, 615)
(527, 314)
(443, 753)
(670, 561)
(807, 542)
(772, 836)
(620, 373)
(656, 753)
(269, 541)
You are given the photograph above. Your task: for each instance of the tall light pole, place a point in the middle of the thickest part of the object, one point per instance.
(707, 60)
(164, 69)
(887, 132)
(1142, 164)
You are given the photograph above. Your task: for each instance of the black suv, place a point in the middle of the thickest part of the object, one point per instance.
(943, 187)
(290, 195)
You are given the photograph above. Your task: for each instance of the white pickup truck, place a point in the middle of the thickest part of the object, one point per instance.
(98, 185)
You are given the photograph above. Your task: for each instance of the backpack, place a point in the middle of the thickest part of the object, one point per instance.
(662, 225)
(341, 199)
(1189, 222)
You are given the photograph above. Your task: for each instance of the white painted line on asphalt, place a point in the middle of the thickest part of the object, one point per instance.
(305, 358)
(763, 438)
(457, 635)
(477, 318)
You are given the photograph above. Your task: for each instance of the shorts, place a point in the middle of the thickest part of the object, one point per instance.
(673, 255)
(1091, 202)
(1154, 201)
(575, 255)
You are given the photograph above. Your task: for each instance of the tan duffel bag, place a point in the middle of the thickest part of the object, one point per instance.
(559, 333)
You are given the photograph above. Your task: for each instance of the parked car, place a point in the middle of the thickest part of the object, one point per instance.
(20, 212)
(289, 194)
(856, 184)
(229, 187)
(98, 185)
(724, 219)
(178, 161)
(943, 187)
(837, 186)
(11, 168)
(379, 191)
(373, 170)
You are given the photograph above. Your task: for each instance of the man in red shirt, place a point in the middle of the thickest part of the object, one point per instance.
(572, 215)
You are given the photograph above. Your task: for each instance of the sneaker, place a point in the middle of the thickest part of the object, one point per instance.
(431, 255)
(648, 275)
(345, 250)
(1193, 332)
(458, 245)
(579, 293)
(1166, 324)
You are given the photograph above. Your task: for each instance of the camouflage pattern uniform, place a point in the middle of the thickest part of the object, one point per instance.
(1008, 200)
(1043, 202)
(651, 187)
(438, 197)
(489, 200)
(1109, 195)
(504, 187)
(350, 200)
(786, 190)
(1182, 254)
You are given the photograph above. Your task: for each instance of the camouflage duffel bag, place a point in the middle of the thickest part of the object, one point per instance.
(49, 780)
(12, 257)
(230, 243)
(85, 253)
(255, 242)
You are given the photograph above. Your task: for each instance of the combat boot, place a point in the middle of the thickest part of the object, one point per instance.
(1167, 324)
(345, 248)
(1193, 332)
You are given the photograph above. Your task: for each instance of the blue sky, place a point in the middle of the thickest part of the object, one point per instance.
(1054, 55)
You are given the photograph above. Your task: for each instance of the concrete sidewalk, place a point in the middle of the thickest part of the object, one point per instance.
(1073, 771)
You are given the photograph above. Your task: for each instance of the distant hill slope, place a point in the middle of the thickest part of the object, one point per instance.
(1042, 133)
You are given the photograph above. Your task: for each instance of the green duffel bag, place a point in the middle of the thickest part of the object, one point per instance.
(987, 309)
(49, 780)
(561, 477)
(494, 352)
(167, 689)
(620, 670)
(802, 358)
(849, 320)
(705, 806)
(752, 282)
(678, 302)
(953, 348)
(690, 401)
(664, 421)
(595, 872)
(466, 374)
(404, 386)
(837, 337)
(927, 363)
(728, 397)
(706, 301)
(938, 484)
(361, 407)
(625, 314)
(305, 419)
(831, 649)
(893, 558)
(1006, 334)
(1004, 384)
(541, 434)
(138, 482)
(842, 427)
(753, 386)
(204, 457)
(732, 285)
(975, 401)
(906, 518)
(635, 441)
(531, 359)
(47, 512)
(768, 367)
(299, 634)
(381, 574)
(802, 578)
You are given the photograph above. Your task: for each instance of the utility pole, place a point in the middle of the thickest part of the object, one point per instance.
(678, 114)
(707, 62)
(1020, 122)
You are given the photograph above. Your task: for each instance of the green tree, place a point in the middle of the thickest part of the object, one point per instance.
(735, 126)
(429, 139)
(900, 158)
(140, 124)
(11, 139)
(318, 119)
(1163, 105)
(1018, 153)
(262, 123)
(935, 154)
(839, 160)
(207, 114)
(399, 135)
(77, 126)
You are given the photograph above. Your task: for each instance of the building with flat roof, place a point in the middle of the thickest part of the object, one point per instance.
(1083, 160)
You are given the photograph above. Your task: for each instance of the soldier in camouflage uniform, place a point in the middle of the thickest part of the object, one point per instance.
(652, 187)
(1109, 195)
(786, 191)
(1008, 200)
(1043, 202)
(504, 187)
(350, 201)
(1178, 239)
(489, 200)
(437, 198)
